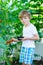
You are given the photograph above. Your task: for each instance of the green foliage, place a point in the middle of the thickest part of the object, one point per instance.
(10, 25)
(3, 49)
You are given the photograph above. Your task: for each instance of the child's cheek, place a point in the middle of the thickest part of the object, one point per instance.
(24, 20)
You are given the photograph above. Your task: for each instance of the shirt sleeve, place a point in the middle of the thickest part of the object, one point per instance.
(34, 30)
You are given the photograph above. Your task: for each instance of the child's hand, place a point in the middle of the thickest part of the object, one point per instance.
(12, 40)
(20, 37)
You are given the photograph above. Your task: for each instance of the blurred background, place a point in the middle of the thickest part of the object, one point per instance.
(10, 26)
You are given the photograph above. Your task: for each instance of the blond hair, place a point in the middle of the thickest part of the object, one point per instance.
(24, 13)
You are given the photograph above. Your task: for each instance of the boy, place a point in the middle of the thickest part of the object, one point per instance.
(30, 34)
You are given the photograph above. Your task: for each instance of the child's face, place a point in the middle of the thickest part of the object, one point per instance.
(25, 20)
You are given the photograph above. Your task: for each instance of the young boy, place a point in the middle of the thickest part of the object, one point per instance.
(30, 35)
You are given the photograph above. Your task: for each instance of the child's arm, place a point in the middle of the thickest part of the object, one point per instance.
(35, 37)
(12, 40)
